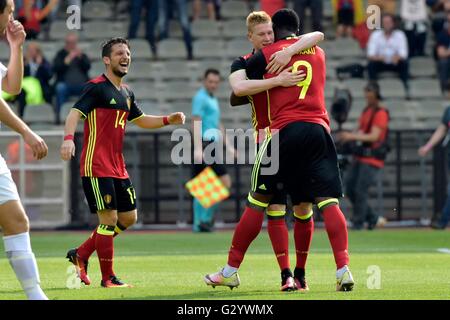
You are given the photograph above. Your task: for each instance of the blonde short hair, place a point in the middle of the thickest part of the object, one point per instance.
(255, 18)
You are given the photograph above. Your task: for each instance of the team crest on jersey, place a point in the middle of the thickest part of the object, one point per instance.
(107, 198)
(129, 103)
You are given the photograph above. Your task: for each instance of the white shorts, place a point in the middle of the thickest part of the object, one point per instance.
(8, 189)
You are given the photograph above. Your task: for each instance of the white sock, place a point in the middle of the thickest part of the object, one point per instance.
(228, 271)
(341, 271)
(23, 262)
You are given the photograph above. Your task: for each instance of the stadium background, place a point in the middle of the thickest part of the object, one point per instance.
(410, 192)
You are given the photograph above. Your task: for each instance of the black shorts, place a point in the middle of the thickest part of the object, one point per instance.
(218, 168)
(307, 160)
(346, 17)
(109, 194)
(279, 193)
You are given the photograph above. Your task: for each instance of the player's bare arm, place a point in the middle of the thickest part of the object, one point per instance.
(36, 143)
(15, 34)
(155, 122)
(281, 58)
(244, 87)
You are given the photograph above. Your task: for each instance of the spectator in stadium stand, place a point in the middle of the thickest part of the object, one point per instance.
(212, 6)
(387, 50)
(363, 172)
(438, 136)
(271, 6)
(207, 130)
(151, 19)
(443, 55)
(31, 16)
(166, 9)
(316, 7)
(37, 67)
(438, 9)
(414, 16)
(71, 67)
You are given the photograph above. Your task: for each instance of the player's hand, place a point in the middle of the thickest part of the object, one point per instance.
(287, 78)
(278, 61)
(67, 150)
(15, 33)
(177, 118)
(36, 143)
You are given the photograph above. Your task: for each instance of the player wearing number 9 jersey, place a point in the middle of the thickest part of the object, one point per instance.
(106, 105)
(308, 166)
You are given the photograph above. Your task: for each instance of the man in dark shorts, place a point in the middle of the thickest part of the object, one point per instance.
(260, 34)
(105, 105)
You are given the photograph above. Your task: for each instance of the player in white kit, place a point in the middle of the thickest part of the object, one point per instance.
(13, 220)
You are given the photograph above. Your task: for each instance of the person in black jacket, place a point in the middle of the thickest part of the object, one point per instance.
(35, 65)
(71, 67)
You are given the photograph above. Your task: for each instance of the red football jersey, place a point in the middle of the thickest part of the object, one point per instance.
(106, 111)
(305, 101)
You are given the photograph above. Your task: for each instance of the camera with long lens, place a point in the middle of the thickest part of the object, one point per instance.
(340, 109)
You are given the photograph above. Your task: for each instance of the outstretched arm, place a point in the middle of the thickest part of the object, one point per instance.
(155, 122)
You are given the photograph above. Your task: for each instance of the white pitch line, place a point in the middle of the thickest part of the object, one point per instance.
(444, 250)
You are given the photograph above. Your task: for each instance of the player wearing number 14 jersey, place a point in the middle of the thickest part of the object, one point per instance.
(106, 105)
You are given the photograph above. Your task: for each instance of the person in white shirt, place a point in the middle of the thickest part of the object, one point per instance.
(13, 220)
(387, 50)
(414, 16)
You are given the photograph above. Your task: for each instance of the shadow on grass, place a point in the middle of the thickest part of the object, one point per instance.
(214, 295)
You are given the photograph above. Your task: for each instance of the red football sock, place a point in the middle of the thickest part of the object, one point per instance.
(303, 232)
(279, 236)
(337, 233)
(104, 244)
(88, 247)
(246, 231)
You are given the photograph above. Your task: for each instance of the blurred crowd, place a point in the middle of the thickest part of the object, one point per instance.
(403, 33)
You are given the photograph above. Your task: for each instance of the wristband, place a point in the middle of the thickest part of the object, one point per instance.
(166, 120)
(68, 137)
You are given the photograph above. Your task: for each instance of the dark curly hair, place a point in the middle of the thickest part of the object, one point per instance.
(107, 46)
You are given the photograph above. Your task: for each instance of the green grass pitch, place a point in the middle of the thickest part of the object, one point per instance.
(172, 265)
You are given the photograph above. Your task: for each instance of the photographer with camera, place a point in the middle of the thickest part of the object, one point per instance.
(369, 148)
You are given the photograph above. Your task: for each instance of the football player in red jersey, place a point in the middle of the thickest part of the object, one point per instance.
(307, 156)
(106, 105)
(260, 34)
